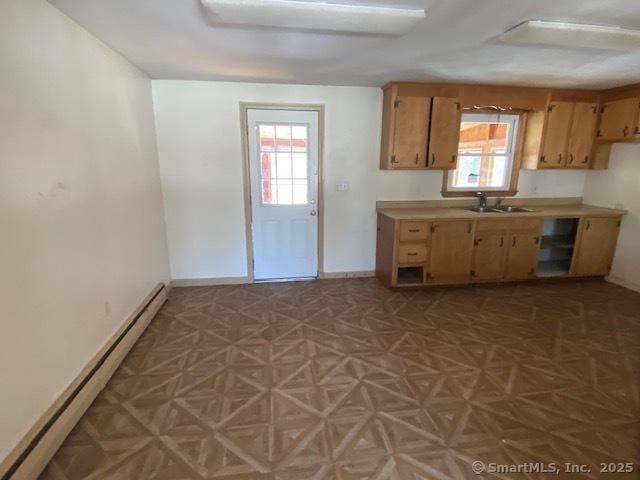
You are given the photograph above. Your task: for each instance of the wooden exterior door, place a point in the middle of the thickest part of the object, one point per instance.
(489, 249)
(444, 135)
(582, 135)
(618, 119)
(596, 246)
(410, 132)
(522, 258)
(451, 251)
(558, 121)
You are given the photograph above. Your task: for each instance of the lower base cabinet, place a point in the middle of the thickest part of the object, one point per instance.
(596, 246)
(435, 252)
(451, 251)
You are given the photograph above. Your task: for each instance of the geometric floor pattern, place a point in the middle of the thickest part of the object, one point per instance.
(349, 380)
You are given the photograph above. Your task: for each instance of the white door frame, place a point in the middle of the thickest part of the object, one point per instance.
(244, 107)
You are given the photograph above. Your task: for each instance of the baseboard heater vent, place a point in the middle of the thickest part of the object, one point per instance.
(40, 444)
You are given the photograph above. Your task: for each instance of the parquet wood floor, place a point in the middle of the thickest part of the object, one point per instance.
(348, 380)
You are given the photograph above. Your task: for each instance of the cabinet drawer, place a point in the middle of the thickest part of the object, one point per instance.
(414, 231)
(412, 253)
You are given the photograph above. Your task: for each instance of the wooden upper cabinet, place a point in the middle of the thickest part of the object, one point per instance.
(444, 134)
(411, 132)
(619, 119)
(596, 245)
(451, 251)
(405, 131)
(556, 135)
(582, 135)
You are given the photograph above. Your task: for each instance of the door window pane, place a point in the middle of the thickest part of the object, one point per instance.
(284, 156)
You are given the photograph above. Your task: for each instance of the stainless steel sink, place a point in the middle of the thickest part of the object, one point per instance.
(512, 209)
(484, 210)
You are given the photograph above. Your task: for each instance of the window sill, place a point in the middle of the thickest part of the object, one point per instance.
(490, 193)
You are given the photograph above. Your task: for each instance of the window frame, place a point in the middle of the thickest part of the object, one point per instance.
(514, 150)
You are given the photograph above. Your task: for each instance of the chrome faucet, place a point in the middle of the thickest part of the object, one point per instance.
(482, 198)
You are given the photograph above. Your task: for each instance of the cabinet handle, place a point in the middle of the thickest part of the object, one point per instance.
(412, 254)
(417, 158)
(588, 226)
(537, 240)
(559, 158)
(453, 158)
(501, 241)
(625, 131)
(414, 230)
(571, 158)
(470, 227)
(513, 242)
(433, 159)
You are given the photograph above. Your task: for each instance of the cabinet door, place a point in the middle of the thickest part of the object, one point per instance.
(556, 136)
(596, 246)
(522, 258)
(582, 135)
(444, 135)
(488, 256)
(451, 250)
(618, 119)
(411, 131)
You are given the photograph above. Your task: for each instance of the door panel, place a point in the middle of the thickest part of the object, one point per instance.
(597, 244)
(283, 169)
(488, 256)
(582, 135)
(411, 132)
(554, 151)
(444, 134)
(451, 250)
(522, 258)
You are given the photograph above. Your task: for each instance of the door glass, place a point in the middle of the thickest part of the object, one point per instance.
(284, 159)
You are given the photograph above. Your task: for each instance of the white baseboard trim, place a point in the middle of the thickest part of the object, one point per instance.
(209, 282)
(623, 283)
(27, 460)
(334, 275)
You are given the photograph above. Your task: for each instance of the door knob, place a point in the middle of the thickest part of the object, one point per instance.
(312, 213)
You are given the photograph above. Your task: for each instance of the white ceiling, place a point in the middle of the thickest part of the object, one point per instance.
(174, 39)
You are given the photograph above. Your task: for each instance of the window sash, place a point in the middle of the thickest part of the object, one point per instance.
(509, 152)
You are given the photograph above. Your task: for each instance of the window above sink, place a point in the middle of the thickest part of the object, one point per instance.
(486, 155)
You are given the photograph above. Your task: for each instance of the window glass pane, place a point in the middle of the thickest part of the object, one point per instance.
(299, 138)
(299, 165)
(285, 192)
(283, 138)
(485, 152)
(267, 138)
(485, 137)
(284, 173)
(300, 192)
(284, 165)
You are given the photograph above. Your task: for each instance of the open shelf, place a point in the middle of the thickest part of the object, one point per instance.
(556, 247)
(557, 241)
(553, 268)
(410, 275)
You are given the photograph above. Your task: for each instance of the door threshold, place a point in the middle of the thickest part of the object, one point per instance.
(283, 280)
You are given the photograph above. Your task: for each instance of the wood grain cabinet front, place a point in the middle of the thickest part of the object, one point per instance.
(596, 246)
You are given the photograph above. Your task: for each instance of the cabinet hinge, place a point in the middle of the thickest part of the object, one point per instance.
(532, 271)
(602, 108)
(476, 242)
(393, 159)
(537, 240)
(599, 133)
(433, 228)
(396, 104)
(542, 159)
(550, 108)
(595, 109)
(473, 273)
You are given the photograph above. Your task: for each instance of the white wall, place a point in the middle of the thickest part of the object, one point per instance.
(198, 127)
(82, 232)
(619, 187)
